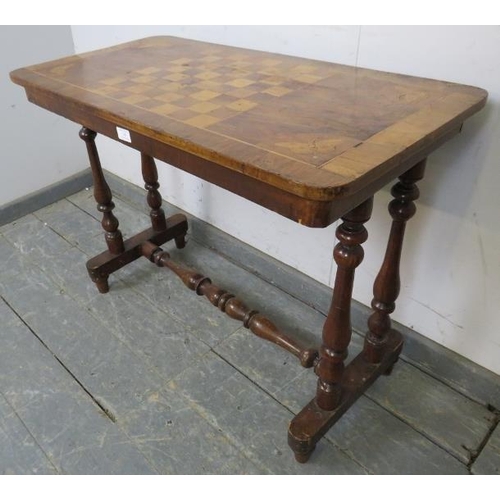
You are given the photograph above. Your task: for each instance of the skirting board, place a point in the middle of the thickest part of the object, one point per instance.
(45, 196)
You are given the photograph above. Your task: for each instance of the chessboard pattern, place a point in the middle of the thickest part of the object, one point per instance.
(210, 84)
(293, 121)
(202, 95)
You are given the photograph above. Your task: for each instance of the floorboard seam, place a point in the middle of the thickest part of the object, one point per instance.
(263, 389)
(423, 434)
(107, 413)
(232, 442)
(266, 392)
(140, 207)
(105, 410)
(25, 426)
(444, 382)
(71, 243)
(476, 453)
(83, 210)
(97, 317)
(53, 230)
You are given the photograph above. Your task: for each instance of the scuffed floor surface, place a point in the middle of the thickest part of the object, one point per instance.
(151, 379)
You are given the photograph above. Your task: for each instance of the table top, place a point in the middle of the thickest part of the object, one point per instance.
(313, 130)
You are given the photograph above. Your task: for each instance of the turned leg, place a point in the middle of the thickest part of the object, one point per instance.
(120, 253)
(105, 205)
(303, 456)
(338, 386)
(150, 176)
(180, 241)
(387, 284)
(101, 282)
(102, 195)
(337, 331)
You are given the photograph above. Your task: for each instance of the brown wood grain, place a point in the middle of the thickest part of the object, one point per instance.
(325, 133)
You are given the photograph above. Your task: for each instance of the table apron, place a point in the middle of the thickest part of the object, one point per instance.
(308, 212)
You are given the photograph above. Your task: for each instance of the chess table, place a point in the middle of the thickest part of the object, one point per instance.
(310, 140)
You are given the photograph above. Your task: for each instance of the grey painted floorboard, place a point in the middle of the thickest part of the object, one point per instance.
(256, 424)
(19, 452)
(72, 223)
(119, 378)
(369, 433)
(179, 441)
(169, 294)
(456, 423)
(454, 370)
(488, 461)
(131, 220)
(186, 389)
(34, 238)
(374, 435)
(166, 343)
(75, 435)
(114, 355)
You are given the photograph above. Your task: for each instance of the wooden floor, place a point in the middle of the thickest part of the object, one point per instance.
(150, 379)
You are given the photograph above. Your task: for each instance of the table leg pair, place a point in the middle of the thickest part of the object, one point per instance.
(338, 385)
(120, 252)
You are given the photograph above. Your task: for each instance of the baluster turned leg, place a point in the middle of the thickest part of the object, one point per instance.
(103, 197)
(337, 331)
(387, 284)
(150, 176)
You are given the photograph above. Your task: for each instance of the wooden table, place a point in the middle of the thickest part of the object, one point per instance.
(310, 140)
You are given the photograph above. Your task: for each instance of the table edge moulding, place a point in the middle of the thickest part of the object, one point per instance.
(311, 140)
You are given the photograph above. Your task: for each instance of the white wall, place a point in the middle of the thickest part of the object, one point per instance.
(451, 265)
(37, 148)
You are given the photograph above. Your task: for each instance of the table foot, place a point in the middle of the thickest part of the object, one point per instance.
(102, 265)
(312, 423)
(389, 370)
(303, 457)
(180, 241)
(102, 283)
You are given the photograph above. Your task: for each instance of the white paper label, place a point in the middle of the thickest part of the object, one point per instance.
(123, 134)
